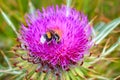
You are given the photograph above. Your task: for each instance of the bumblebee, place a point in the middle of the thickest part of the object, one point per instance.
(56, 37)
(51, 35)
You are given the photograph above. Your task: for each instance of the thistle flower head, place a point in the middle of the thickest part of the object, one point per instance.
(54, 40)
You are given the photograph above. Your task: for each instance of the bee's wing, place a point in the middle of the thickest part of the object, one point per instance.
(42, 39)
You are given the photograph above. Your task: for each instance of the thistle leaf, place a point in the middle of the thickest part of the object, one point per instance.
(112, 48)
(21, 77)
(106, 30)
(42, 76)
(99, 26)
(79, 72)
(71, 75)
(67, 76)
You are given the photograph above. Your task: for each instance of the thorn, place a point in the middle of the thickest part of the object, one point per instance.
(29, 60)
(18, 45)
(67, 69)
(57, 73)
(73, 62)
(31, 55)
(17, 39)
(44, 71)
(16, 55)
(14, 50)
(24, 58)
(38, 69)
(98, 56)
(36, 61)
(91, 67)
(25, 47)
(86, 76)
(90, 54)
(20, 67)
(15, 64)
(81, 63)
(51, 67)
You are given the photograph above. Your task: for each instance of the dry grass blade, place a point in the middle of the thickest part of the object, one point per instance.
(6, 59)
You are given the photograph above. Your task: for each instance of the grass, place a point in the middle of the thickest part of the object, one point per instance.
(106, 26)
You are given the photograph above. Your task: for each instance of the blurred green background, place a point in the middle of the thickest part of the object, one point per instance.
(105, 10)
